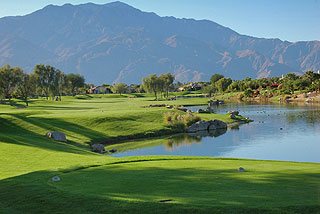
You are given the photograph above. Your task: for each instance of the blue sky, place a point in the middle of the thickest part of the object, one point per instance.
(292, 20)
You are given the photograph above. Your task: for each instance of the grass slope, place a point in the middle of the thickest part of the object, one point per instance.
(93, 183)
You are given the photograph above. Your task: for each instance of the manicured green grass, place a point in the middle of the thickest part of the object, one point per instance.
(205, 182)
(83, 119)
(190, 184)
(93, 183)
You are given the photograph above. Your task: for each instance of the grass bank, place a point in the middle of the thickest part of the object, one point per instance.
(93, 183)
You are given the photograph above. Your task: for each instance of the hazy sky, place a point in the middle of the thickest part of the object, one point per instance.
(292, 20)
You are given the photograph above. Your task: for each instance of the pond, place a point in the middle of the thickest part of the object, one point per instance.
(286, 132)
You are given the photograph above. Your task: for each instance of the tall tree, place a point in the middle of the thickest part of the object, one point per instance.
(43, 79)
(222, 84)
(10, 77)
(27, 86)
(151, 84)
(311, 76)
(119, 88)
(75, 82)
(209, 89)
(169, 78)
(59, 83)
(214, 78)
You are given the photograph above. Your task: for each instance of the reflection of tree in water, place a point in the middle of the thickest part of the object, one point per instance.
(310, 117)
(188, 139)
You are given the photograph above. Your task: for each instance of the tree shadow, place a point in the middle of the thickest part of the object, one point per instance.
(49, 107)
(14, 133)
(195, 186)
(116, 188)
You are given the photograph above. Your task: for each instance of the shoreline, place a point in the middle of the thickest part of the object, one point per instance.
(126, 139)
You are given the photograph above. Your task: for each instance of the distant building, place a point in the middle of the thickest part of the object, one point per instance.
(181, 89)
(191, 87)
(99, 90)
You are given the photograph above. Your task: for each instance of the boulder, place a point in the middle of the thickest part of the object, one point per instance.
(58, 136)
(56, 178)
(210, 109)
(232, 116)
(218, 124)
(233, 112)
(99, 148)
(198, 126)
(241, 169)
(207, 125)
(212, 127)
(201, 111)
(113, 150)
(211, 103)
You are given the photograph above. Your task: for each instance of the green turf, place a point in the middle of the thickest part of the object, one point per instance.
(205, 182)
(93, 183)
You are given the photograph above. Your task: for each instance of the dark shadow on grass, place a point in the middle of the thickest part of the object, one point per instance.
(11, 133)
(198, 187)
(50, 107)
(31, 193)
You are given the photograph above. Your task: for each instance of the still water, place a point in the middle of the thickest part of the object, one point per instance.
(288, 132)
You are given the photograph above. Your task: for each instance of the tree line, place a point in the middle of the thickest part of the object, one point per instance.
(45, 81)
(49, 82)
(310, 81)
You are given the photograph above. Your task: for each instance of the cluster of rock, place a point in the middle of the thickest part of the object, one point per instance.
(216, 102)
(180, 108)
(58, 136)
(96, 147)
(207, 125)
(156, 105)
(233, 114)
(99, 148)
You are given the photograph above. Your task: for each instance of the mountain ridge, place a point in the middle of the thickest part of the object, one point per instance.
(116, 42)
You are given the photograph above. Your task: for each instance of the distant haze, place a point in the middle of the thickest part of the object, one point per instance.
(118, 43)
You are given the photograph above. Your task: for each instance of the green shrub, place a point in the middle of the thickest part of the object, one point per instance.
(190, 119)
(178, 126)
(179, 122)
(285, 91)
(248, 93)
(167, 117)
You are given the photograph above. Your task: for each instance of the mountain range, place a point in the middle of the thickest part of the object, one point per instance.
(115, 42)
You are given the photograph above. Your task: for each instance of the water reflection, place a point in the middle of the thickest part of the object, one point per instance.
(279, 132)
(190, 138)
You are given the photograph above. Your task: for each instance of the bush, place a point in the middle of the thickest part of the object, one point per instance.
(178, 126)
(248, 93)
(179, 122)
(285, 91)
(190, 119)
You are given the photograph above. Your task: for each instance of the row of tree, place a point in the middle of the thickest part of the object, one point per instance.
(309, 81)
(48, 81)
(44, 81)
(158, 84)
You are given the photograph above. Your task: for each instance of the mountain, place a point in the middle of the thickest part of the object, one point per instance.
(118, 43)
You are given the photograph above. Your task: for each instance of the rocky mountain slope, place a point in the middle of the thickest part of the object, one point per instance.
(118, 43)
